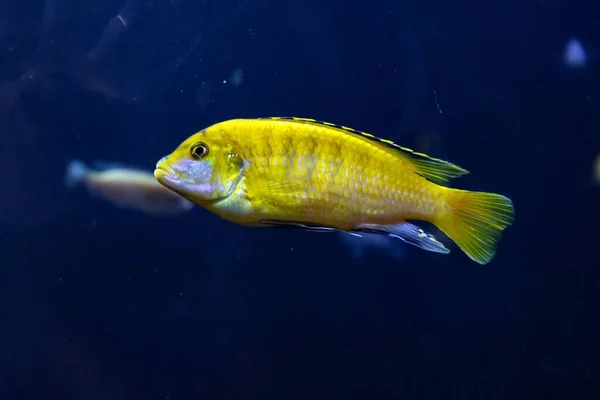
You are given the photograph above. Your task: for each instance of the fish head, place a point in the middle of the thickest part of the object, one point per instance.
(204, 169)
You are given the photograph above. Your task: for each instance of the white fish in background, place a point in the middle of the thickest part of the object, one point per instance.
(126, 187)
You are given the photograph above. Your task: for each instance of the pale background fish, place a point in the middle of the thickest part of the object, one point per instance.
(126, 188)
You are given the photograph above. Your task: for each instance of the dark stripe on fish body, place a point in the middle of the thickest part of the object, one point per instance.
(386, 142)
(429, 167)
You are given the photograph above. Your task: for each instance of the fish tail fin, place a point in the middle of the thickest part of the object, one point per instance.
(475, 221)
(76, 173)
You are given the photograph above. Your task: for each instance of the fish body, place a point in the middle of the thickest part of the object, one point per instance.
(303, 173)
(126, 188)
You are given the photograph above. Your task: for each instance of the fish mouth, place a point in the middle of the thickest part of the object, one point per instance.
(165, 174)
(178, 182)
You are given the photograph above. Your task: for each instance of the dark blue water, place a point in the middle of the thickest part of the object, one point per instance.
(101, 303)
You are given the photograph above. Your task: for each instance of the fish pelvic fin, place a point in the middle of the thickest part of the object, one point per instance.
(475, 221)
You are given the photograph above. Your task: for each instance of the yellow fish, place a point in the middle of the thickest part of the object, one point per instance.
(314, 175)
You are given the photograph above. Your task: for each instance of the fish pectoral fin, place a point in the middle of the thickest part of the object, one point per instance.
(409, 233)
(298, 225)
(276, 186)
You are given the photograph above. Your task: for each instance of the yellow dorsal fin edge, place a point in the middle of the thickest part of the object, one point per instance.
(431, 168)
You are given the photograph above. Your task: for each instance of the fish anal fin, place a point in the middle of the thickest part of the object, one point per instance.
(428, 167)
(409, 233)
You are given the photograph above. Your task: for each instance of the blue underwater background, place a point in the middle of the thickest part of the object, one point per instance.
(98, 302)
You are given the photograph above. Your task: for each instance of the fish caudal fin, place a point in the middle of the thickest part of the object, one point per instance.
(475, 222)
(76, 173)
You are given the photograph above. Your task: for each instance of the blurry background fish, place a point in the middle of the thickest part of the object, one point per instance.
(361, 246)
(126, 187)
(574, 54)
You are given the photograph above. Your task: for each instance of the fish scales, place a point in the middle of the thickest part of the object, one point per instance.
(308, 174)
(333, 176)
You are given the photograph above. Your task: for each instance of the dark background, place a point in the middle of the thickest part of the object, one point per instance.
(102, 303)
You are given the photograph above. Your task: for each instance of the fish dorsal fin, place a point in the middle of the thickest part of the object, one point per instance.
(431, 168)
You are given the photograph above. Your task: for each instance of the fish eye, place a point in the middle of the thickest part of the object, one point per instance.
(199, 151)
